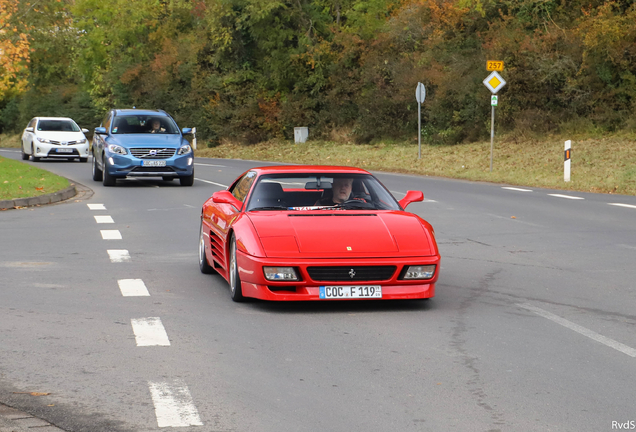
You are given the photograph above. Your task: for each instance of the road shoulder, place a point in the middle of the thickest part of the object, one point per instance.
(13, 420)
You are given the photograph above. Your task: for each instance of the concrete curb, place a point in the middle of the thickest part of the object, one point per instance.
(13, 420)
(51, 198)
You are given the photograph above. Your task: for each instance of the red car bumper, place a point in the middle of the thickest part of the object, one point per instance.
(255, 285)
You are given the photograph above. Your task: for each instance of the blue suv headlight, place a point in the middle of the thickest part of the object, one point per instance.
(184, 150)
(114, 148)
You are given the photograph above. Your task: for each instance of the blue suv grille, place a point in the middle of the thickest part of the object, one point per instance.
(152, 153)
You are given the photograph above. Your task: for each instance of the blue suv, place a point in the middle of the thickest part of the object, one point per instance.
(141, 143)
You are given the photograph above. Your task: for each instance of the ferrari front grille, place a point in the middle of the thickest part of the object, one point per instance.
(152, 153)
(351, 273)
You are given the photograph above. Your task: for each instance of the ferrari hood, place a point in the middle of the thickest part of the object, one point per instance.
(342, 234)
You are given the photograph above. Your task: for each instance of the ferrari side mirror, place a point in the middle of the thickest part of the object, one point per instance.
(411, 196)
(225, 197)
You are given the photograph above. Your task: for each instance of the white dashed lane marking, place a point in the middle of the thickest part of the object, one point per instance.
(173, 405)
(211, 182)
(132, 288)
(96, 206)
(149, 332)
(118, 255)
(566, 196)
(623, 205)
(581, 330)
(111, 234)
(103, 219)
(517, 189)
(218, 166)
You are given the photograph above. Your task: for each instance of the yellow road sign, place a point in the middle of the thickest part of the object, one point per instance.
(494, 82)
(494, 65)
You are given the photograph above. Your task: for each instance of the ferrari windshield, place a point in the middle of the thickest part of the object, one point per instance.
(304, 192)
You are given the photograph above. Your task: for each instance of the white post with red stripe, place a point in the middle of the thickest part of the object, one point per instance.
(566, 163)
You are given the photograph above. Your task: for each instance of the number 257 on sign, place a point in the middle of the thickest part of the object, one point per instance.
(494, 65)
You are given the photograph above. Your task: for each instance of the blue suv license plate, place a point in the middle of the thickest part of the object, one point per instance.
(153, 163)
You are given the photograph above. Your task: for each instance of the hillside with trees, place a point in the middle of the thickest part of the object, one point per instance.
(251, 70)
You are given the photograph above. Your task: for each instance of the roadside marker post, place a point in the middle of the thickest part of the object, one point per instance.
(566, 163)
(420, 95)
(194, 138)
(494, 82)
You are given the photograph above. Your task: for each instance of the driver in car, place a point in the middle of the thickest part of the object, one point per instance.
(341, 192)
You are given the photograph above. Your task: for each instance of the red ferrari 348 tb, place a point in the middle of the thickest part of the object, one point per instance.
(317, 233)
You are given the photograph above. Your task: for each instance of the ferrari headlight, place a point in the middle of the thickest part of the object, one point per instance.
(184, 150)
(419, 272)
(113, 148)
(44, 140)
(280, 273)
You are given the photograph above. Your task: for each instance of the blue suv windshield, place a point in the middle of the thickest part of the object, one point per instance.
(144, 124)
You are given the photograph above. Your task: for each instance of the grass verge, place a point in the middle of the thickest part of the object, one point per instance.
(599, 164)
(20, 180)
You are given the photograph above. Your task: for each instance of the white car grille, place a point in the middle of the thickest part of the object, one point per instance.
(65, 142)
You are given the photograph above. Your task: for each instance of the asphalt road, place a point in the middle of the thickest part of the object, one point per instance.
(532, 328)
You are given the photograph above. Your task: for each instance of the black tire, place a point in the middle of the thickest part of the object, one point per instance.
(83, 159)
(24, 155)
(97, 173)
(204, 265)
(33, 156)
(187, 181)
(236, 291)
(107, 179)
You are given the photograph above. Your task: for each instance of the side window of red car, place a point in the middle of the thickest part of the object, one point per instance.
(243, 186)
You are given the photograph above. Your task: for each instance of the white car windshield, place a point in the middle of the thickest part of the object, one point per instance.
(311, 191)
(57, 126)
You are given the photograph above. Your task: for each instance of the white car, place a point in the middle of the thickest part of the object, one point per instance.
(54, 137)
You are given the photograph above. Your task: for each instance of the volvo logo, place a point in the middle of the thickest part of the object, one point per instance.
(352, 273)
(153, 153)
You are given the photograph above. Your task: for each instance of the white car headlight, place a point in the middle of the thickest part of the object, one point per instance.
(419, 272)
(184, 150)
(82, 141)
(44, 140)
(280, 273)
(114, 148)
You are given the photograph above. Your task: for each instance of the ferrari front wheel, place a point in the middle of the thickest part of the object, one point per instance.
(204, 265)
(235, 281)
